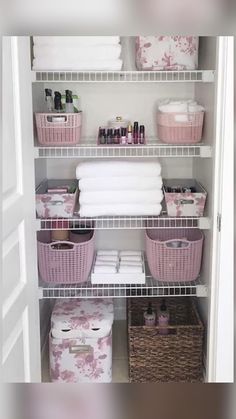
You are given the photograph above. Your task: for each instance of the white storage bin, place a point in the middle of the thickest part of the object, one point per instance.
(81, 341)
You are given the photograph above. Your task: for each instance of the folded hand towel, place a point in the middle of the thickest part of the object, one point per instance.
(107, 258)
(120, 209)
(107, 252)
(77, 53)
(110, 168)
(182, 107)
(130, 263)
(130, 253)
(104, 269)
(120, 183)
(51, 64)
(130, 269)
(131, 258)
(76, 40)
(117, 197)
(105, 262)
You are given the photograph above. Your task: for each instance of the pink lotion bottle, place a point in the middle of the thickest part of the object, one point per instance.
(149, 316)
(163, 318)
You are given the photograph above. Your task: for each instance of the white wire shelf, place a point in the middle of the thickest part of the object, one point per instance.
(122, 223)
(154, 148)
(151, 288)
(124, 76)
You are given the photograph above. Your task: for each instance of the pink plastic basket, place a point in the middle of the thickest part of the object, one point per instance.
(64, 266)
(180, 128)
(61, 133)
(169, 263)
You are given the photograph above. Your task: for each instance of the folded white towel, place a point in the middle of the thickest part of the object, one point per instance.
(130, 263)
(77, 53)
(182, 107)
(120, 209)
(51, 64)
(130, 269)
(130, 253)
(105, 262)
(120, 183)
(131, 258)
(195, 108)
(110, 168)
(107, 258)
(104, 269)
(76, 40)
(179, 106)
(107, 252)
(117, 197)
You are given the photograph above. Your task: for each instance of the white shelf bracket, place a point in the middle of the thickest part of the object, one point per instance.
(206, 152)
(36, 152)
(33, 76)
(37, 225)
(202, 291)
(208, 76)
(40, 291)
(204, 223)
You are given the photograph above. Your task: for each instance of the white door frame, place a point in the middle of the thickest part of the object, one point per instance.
(220, 365)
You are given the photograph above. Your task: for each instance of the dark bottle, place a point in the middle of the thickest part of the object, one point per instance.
(117, 136)
(135, 133)
(141, 134)
(110, 136)
(69, 107)
(57, 102)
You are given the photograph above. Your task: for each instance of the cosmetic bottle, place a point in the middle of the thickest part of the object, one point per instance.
(149, 316)
(69, 107)
(48, 100)
(110, 136)
(123, 136)
(163, 319)
(57, 102)
(135, 133)
(117, 136)
(141, 134)
(130, 135)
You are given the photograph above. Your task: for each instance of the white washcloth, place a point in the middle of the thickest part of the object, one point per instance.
(181, 107)
(130, 253)
(107, 252)
(131, 258)
(77, 53)
(120, 183)
(107, 258)
(50, 64)
(117, 197)
(105, 262)
(104, 269)
(130, 269)
(130, 263)
(120, 209)
(101, 168)
(76, 40)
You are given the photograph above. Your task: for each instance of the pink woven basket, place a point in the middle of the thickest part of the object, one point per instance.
(172, 130)
(68, 266)
(61, 133)
(166, 261)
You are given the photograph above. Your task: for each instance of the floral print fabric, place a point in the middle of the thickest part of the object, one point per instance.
(167, 52)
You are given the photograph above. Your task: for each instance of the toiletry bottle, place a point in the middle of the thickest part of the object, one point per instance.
(110, 136)
(57, 102)
(123, 136)
(141, 134)
(69, 107)
(163, 319)
(117, 136)
(48, 100)
(135, 133)
(130, 135)
(149, 316)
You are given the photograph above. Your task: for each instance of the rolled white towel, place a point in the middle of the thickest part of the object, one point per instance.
(120, 183)
(130, 253)
(118, 197)
(120, 210)
(107, 252)
(131, 258)
(110, 168)
(130, 269)
(104, 269)
(105, 262)
(107, 258)
(77, 53)
(130, 263)
(76, 40)
(51, 63)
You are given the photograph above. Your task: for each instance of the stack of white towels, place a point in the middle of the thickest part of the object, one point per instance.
(119, 188)
(114, 262)
(78, 53)
(179, 107)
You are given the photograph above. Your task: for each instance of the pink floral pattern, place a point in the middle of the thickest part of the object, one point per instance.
(55, 205)
(177, 209)
(88, 357)
(167, 52)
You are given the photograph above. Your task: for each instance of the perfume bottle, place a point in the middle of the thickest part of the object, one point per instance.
(163, 319)
(149, 316)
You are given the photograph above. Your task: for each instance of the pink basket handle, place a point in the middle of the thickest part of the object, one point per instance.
(72, 244)
(50, 121)
(80, 349)
(182, 201)
(168, 242)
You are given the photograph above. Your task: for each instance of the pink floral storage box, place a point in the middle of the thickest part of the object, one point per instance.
(81, 341)
(184, 197)
(56, 198)
(166, 53)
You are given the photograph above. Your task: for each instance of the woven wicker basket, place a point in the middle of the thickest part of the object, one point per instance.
(175, 357)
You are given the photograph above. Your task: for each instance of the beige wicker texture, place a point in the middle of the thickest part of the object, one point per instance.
(175, 357)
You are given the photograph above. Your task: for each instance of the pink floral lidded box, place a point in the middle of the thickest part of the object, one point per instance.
(81, 341)
(184, 197)
(166, 53)
(56, 198)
